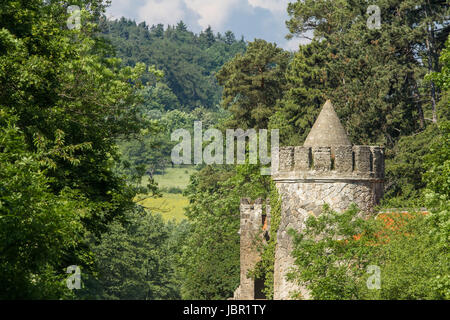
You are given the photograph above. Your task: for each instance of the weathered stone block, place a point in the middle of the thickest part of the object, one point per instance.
(322, 158)
(362, 159)
(286, 158)
(302, 158)
(343, 159)
(378, 161)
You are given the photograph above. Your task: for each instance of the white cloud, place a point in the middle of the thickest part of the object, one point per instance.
(214, 13)
(275, 6)
(162, 11)
(120, 8)
(293, 44)
(204, 13)
(263, 19)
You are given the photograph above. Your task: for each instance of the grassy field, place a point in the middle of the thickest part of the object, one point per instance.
(171, 206)
(175, 177)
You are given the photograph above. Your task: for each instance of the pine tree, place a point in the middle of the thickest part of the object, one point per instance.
(229, 38)
(374, 76)
(181, 26)
(158, 30)
(253, 82)
(208, 37)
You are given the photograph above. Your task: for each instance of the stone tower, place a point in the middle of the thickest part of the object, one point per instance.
(327, 169)
(255, 223)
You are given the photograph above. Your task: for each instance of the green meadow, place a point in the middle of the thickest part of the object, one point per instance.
(170, 205)
(174, 177)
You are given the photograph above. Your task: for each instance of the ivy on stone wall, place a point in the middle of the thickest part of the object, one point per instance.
(265, 267)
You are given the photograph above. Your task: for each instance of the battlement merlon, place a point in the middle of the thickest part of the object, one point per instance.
(334, 163)
(253, 217)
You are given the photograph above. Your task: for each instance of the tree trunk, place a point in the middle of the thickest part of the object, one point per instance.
(433, 61)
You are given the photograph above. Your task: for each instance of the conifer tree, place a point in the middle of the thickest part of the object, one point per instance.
(229, 38)
(373, 75)
(181, 26)
(253, 82)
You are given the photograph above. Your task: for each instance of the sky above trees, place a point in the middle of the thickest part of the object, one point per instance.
(264, 19)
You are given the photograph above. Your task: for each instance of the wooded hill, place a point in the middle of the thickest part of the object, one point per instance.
(189, 61)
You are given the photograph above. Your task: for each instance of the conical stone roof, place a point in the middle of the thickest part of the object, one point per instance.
(327, 131)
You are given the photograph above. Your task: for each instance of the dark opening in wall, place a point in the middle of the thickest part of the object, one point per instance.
(353, 162)
(310, 158)
(259, 289)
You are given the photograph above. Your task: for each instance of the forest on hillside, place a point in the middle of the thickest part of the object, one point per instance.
(186, 89)
(86, 116)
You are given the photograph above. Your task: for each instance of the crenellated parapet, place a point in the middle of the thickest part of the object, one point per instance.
(338, 163)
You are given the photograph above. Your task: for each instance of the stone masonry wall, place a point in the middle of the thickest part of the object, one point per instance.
(251, 226)
(302, 199)
(309, 177)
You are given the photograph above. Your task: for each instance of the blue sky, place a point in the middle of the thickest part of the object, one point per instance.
(264, 19)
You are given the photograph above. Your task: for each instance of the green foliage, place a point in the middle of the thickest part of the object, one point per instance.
(150, 152)
(306, 93)
(442, 78)
(37, 226)
(422, 158)
(159, 97)
(136, 260)
(330, 262)
(58, 81)
(405, 166)
(64, 103)
(175, 190)
(211, 251)
(436, 195)
(187, 60)
(442, 81)
(265, 267)
(373, 76)
(437, 162)
(414, 265)
(253, 82)
(334, 251)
